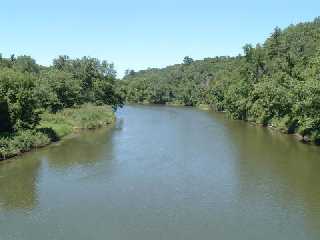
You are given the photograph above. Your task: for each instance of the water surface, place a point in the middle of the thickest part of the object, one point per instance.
(164, 173)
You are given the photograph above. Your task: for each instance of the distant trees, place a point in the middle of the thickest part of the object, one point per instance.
(129, 72)
(61, 62)
(181, 84)
(187, 60)
(25, 64)
(275, 83)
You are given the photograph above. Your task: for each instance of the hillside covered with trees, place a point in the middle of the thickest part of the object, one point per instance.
(276, 83)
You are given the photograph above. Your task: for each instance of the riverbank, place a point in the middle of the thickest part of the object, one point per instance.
(201, 106)
(55, 126)
(279, 125)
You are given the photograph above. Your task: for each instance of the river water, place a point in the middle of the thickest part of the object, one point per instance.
(164, 173)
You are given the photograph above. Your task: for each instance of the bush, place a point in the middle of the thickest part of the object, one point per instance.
(14, 144)
(53, 127)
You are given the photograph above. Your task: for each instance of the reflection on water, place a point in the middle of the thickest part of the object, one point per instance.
(85, 150)
(278, 171)
(164, 173)
(19, 177)
(18, 184)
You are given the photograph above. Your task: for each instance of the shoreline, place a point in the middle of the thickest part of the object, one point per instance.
(72, 135)
(61, 135)
(206, 107)
(55, 128)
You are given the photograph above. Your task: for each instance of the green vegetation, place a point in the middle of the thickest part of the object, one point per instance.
(22, 141)
(274, 84)
(54, 126)
(70, 119)
(33, 100)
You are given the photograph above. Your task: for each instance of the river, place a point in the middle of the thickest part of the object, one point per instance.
(164, 173)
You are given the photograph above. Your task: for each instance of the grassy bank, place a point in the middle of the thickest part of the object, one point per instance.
(53, 127)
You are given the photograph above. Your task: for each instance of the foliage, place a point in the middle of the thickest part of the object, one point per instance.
(276, 83)
(187, 60)
(30, 95)
(23, 141)
(58, 90)
(19, 104)
(54, 126)
(27, 89)
(87, 116)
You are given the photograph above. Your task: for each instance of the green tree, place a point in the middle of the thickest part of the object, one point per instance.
(187, 60)
(18, 95)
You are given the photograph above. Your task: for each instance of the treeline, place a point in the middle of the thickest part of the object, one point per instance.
(39, 105)
(28, 89)
(276, 83)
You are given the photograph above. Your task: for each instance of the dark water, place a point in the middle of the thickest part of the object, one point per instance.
(164, 173)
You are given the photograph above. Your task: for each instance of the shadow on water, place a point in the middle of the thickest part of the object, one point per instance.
(84, 150)
(20, 177)
(278, 172)
(18, 182)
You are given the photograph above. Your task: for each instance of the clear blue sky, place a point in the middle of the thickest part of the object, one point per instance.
(142, 33)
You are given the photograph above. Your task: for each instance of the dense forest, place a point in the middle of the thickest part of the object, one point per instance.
(276, 83)
(29, 92)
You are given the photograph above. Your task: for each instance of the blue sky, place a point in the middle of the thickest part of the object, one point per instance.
(141, 34)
